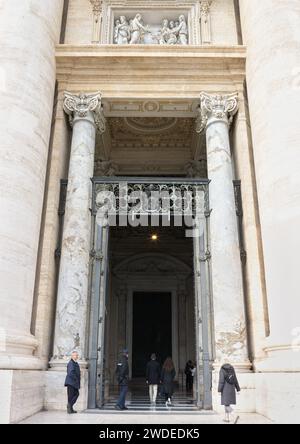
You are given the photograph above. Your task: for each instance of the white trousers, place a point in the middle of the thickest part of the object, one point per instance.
(153, 389)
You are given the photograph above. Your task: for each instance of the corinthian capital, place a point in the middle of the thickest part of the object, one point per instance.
(82, 106)
(216, 107)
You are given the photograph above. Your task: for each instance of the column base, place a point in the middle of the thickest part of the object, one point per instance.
(278, 396)
(279, 359)
(12, 362)
(56, 392)
(22, 394)
(17, 343)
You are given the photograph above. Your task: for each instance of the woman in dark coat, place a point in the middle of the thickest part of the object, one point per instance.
(167, 379)
(228, 386)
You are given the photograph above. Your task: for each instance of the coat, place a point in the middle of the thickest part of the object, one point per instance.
(228, 389)
(122, 371)
(167, 379)
(73, 375)
(153, 372)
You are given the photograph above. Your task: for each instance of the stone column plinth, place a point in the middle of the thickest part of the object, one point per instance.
(70, 330)
(227, 287)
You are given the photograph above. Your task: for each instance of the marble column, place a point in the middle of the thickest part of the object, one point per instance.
(227, 288)
(72, 299)
(271, 32)
(29, 31)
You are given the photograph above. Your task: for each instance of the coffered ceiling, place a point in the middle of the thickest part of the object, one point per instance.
(148, 139)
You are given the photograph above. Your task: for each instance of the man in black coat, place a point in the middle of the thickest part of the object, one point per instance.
(72, 382)
(122, 373)
(153, 373)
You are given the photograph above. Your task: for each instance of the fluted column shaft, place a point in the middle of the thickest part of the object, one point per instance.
(29, 31)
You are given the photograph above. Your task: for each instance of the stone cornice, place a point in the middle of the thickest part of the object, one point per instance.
(108, 67)
(200, 51)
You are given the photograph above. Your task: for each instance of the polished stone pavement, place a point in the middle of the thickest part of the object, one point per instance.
(167, 417)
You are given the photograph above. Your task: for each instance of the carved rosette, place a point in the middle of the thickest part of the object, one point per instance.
(205, 8)
(97, 7)
(82, 105)
(216, 107)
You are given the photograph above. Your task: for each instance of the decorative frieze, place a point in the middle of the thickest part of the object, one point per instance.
(135, 31)
(123, 22)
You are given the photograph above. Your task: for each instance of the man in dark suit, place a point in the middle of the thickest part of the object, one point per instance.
(122, 373)
(73, 382)
(153, 372)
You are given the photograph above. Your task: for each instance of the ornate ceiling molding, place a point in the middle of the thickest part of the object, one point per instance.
(148, 125)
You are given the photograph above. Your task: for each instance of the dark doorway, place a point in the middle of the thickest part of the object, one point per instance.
(152, 329)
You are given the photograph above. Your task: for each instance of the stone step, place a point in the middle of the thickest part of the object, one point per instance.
(139, 402)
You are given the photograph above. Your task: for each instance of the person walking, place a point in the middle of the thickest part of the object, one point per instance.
(228, 386)
(72, 382)
(153, 373)
(189, 373)
(122, 373)
(167, 379)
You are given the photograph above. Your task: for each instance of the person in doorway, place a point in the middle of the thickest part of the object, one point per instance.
(228, 386)
(72, 382)
(167, 379)
(189, 374)
(153, 372)
(122, 373)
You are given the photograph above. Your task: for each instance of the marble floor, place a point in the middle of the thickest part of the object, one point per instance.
(138, 418)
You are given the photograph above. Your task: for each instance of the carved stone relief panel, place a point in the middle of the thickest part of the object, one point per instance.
(134, 31)
(152, 22)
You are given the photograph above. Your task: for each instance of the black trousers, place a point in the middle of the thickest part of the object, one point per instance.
(189, 382)
(73, 395)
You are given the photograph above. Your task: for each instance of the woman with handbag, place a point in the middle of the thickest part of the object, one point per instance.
(228, 386)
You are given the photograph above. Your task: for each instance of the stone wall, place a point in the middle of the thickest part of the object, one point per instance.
(79, 29)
